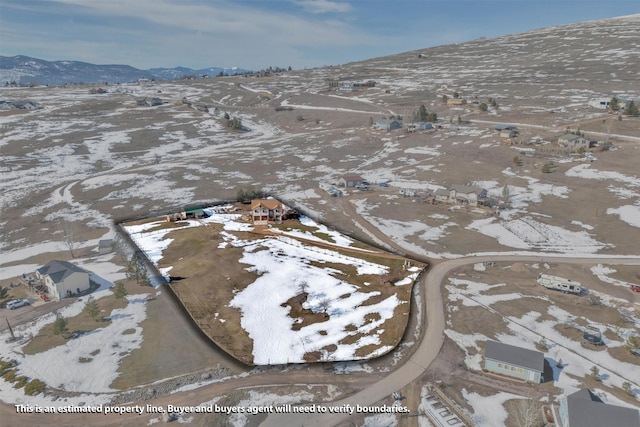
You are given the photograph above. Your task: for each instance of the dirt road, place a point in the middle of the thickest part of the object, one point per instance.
(430, 346)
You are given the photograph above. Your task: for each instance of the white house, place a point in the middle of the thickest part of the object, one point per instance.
(602, 103)
(573, 142)
(467, 195)
(63, 279)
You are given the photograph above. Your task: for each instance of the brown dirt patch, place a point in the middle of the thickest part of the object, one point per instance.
(209, 278)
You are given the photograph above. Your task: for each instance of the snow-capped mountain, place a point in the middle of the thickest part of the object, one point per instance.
(26, 70)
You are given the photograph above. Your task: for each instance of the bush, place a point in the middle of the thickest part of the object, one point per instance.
(21, 381)
(5, 366)
(10, 375)
(34, 387)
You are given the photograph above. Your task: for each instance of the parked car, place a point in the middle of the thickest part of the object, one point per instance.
(635, 288)
(16, 303)
(383, 184)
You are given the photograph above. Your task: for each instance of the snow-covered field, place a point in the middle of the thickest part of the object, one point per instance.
(288, 267)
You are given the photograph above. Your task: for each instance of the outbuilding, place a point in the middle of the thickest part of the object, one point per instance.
(513, 361)
(349, 181)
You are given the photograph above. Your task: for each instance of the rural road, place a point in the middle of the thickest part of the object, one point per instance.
(430, 345)
(373, 391)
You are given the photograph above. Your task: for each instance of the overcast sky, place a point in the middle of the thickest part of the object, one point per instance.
(256, 34)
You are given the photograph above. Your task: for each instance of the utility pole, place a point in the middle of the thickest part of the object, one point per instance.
(13, 337)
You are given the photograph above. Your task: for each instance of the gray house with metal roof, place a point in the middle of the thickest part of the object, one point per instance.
(63, 279)
(584, 409)
(515, 362)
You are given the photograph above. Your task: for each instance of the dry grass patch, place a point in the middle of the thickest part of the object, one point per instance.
(80, 324)
(624, 355)
(518, 307)
(472, 320)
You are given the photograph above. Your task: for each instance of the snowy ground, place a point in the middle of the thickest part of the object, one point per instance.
(87, 364)
(287, 268)
(528, 330)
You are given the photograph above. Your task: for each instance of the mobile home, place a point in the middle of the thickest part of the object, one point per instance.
(559, 284)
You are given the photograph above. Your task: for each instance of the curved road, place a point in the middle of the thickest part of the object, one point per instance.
(412, 368)
(430, 345)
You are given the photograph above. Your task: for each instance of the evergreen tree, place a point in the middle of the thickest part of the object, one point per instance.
(483, 107)
(136, 269)
(506, 193)
(60, 326)
(614, 104)
(422, 113)
(595, 373)
(92, 309)
(631, 110)
(120, 291)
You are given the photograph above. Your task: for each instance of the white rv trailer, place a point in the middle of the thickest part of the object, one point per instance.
(559, 284)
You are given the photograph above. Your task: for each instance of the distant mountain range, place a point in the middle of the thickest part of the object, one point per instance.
(27, 70)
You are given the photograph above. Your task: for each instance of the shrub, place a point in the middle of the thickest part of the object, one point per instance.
(21, 381)
(5, 366)
(34, 387)
(10, 375)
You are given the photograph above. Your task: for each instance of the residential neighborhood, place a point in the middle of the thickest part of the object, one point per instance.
(369, 231)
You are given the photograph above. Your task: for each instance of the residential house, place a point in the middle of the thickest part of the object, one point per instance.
(348, 181)
(264, 211)
(25, 105)
(584, 409)
(346, 86)
(467, 195)
(602, 103)
(149, 102)
(420, 126)
(501, 127)
(456, 101)
(442, 195)
(508, 133)
(388, 124)
(63, 279)
(573, 142)
(513, 361)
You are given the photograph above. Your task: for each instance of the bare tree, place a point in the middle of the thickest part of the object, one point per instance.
(70, 236)
(303, 286)
(528, 412)
(324, 305)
